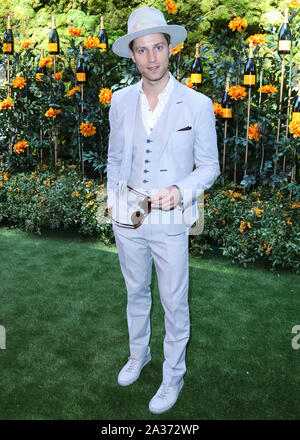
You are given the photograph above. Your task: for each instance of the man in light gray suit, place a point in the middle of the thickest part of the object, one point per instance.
(158, 130)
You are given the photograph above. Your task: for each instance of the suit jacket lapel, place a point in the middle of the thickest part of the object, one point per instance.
(173, 113)
(129, 127)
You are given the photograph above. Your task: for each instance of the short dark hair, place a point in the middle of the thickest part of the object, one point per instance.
(167, 37)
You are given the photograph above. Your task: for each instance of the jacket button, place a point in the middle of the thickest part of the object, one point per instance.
(147, 161)
(148, 141)
(146, 171)
(145, 181)
(148, 151)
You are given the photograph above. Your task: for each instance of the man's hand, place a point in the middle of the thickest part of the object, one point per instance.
(166, 198)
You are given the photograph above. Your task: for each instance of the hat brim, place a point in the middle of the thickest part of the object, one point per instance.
(177, 33)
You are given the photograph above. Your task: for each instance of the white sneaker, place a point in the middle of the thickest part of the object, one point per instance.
(165, 397)
(132, 370)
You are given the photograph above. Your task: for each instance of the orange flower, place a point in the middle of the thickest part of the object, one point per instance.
(27, 43)
(218, 109)
(39, 77)
(295, 128)
(237, 24)
(74, 31)
(105, 96)
(257, 211)
(20, 146)
(87, 129)
(91, 42)
(188, 83)
(293, 3)
(237, 92)
(257, 39)
(177, 49)
(6, 104)
(72, 91)
(52, 113)
(254, 132)
(46, 61)
(268, 89)
(58, 75)
(171, 7)
(296, 205)
(19, 82)
(242, 226)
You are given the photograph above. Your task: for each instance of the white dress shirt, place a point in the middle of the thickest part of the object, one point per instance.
(149, 116)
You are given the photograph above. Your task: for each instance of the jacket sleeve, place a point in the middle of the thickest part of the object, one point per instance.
(114, 156)
(205, 157)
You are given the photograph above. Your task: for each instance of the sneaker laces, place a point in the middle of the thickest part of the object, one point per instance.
(164, 389)
(132, 364)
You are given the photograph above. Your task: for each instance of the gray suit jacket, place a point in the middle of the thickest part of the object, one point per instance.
(180, 149)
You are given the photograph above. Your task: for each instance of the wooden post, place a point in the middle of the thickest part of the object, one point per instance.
(55, 123)
(289, 104)
(287, 124)
(81, 145)
(9, 96)
(224, 146)
(41, 138)
(279, 109)
(235, 151)
(293, 173)
(247, 134)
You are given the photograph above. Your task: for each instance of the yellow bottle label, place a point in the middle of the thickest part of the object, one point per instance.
(102, 47)
(284, 45)
(296, 116)
(53, 47)
(196, 78)
(249, 80)
(226, 113)
(81, 76)
(7, 47)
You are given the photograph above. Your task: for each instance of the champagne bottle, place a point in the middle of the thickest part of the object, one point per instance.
(250, 70)
(40, 70)
(226, 103)
(296, 108)
(8, 40)
(102, 36)
(285, 35)
(81, 69)
(196, 72)
(53, 39)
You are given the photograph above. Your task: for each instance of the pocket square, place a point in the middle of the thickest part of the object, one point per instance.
(185, 128)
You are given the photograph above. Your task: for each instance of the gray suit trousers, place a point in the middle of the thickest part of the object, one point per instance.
(137, 248)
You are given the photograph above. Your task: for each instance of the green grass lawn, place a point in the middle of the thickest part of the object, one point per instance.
(63, 305)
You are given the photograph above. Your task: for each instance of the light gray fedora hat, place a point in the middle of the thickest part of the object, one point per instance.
(147, 20)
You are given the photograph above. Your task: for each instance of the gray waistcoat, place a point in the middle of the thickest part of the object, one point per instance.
(146, 153)
(145, 168)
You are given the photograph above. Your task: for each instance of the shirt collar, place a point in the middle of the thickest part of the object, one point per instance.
(166, 90)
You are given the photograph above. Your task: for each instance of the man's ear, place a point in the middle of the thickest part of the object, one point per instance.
(132, 55)
(170, 49)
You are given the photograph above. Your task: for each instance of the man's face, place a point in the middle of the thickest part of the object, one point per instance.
(151, 55)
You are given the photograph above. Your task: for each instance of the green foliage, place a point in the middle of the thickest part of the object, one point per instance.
(32, 18)
(246, 226)
(257, 225)
(38, 200)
